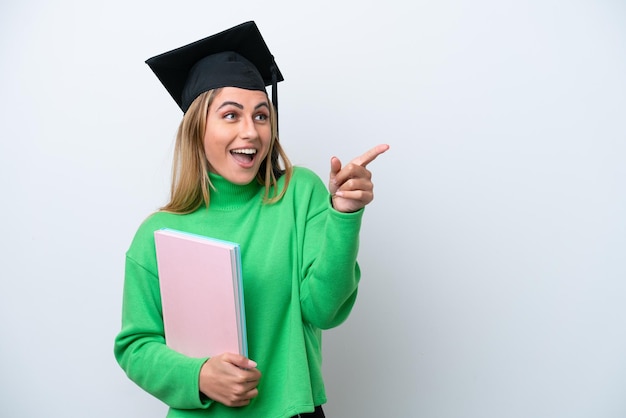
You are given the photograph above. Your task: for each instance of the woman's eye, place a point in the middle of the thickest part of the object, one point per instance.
(229, 116)
(262, 117)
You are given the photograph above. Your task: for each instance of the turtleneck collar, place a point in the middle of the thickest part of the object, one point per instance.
(229, 196)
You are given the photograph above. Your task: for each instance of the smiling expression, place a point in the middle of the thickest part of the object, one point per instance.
(238, 133)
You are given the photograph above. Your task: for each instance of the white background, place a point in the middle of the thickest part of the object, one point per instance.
(494, 254)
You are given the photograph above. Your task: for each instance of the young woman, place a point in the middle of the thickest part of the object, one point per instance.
(299, 244)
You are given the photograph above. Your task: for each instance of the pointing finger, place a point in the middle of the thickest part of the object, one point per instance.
(370, 155)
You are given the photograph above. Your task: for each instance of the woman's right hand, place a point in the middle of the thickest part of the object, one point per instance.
(230, 379)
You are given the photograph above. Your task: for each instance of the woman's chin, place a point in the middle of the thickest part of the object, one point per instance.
(241, 178)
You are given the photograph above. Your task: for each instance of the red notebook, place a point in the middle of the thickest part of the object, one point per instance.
(201, 294)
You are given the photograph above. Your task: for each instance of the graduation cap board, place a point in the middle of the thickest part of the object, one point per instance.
(236, 57)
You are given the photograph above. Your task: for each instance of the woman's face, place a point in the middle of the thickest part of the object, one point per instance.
(238, 133)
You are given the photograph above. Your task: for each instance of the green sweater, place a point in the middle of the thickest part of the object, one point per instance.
(300, 276)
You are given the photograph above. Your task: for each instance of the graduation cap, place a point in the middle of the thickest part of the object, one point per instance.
(236, 57)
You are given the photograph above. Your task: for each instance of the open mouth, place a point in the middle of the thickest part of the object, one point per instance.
(244, 155)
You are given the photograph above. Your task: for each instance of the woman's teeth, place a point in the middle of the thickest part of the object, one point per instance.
(244, 154)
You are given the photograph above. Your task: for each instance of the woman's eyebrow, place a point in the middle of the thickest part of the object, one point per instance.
(240, 106)
(237, 105)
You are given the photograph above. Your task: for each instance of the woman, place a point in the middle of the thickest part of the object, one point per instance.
(299, 243)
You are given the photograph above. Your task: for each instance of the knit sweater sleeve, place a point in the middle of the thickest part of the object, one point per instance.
(331, 273)
(140, 345)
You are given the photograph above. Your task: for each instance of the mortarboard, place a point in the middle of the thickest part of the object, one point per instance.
(236, 57)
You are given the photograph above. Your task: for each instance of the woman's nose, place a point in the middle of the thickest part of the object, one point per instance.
(248, 129)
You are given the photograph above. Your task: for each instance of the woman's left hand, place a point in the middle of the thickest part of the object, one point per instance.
(351, 186)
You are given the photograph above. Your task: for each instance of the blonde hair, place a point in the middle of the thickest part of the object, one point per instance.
(190, 168)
